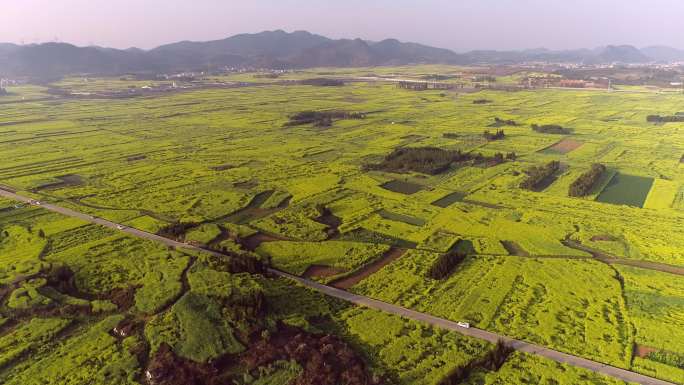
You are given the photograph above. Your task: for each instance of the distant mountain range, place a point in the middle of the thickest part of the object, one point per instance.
(281, 50)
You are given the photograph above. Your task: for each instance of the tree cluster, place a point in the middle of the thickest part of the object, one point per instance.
(499, 134)
(431, 160)
(453, 135)
(445, 264)
(537, 174)
(551, 129)
(321, 118)
(492, 361)
(426, 160)
(482, 101)
(665, 119)
(498, 122)
(585, 182)
(176, 230)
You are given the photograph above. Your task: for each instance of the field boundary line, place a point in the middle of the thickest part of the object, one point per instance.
(526, 347)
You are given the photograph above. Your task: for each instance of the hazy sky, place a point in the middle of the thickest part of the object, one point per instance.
(457, 24)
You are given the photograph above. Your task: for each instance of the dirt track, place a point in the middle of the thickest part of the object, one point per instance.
(365, 271)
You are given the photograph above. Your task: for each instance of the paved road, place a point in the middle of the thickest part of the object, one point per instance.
(522, 346)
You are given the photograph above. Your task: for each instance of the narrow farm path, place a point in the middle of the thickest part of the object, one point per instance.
(622, 374)
(615, 260)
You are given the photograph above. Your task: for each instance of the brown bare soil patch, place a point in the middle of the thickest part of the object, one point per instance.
(643, 351)
(564, 146)
(367, 270)
(603, 237)
(322, 271)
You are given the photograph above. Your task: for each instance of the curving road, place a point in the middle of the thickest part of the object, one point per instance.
(622, 374)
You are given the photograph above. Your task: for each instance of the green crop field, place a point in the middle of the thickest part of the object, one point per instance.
(626, 190)
(598, 276)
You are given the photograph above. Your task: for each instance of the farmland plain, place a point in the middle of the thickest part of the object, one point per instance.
(226, 164)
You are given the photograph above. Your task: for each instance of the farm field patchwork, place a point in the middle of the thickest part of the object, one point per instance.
(223, 169)
(563, 147)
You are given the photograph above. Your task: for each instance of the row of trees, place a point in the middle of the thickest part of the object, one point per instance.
(537, 174)
(445, 264)
(551, 129)
(321, 118)
(499, 134)
(665, 119)
(584, 183)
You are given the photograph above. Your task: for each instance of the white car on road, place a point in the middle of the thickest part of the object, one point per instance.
(462, 324)
(119, 227)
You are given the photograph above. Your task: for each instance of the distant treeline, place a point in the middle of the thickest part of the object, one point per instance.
(665, 119)
(585, 182)
(431, 160)
(492, 362)
(499, 134)
(551, 129)
(445, 264)
(537, 174)
(321, 118)
(501, 122)
(322, 82)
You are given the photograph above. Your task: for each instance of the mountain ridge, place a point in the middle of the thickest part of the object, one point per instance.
(284, 50)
